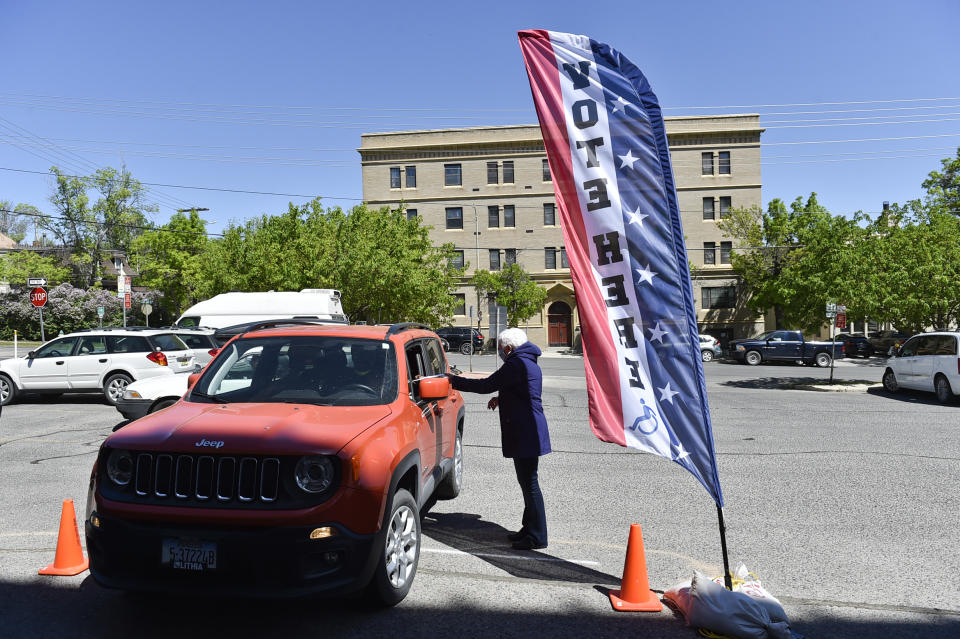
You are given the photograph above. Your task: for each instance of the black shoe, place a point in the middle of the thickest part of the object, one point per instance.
(527, 543)
(517, 536)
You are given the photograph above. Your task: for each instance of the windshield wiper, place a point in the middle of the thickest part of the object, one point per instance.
(218, 400)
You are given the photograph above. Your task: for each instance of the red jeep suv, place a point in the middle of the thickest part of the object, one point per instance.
(296, 464)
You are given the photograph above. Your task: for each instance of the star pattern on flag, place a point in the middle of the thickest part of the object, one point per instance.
(628, 159)
(667, 393)
(657, 333)
(646, 275)
(680, 452)
(619, 105)
(636, 217)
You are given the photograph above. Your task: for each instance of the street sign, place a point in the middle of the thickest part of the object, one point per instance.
(100, 311)
(126, 300)
(841, 320)
(36, 281)
(38, 297)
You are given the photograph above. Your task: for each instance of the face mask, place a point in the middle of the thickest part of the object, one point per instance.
(501, 353)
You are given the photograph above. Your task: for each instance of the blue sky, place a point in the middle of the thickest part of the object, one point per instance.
(274, 96)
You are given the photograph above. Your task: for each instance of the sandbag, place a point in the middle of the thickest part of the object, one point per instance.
(732, 614)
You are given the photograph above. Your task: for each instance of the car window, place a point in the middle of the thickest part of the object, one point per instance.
(188, 322)
(195, 341)
(910, 348)
(435, 359)
(302, 369)
(128, 344)
(169, 342)
(93, 345)
(927, 345)
(777, 336)
(947, 345)
(57, 348)
(416, 363)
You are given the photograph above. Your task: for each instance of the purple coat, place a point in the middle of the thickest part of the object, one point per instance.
(523, 427)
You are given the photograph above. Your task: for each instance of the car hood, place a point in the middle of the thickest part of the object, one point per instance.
(274, 429)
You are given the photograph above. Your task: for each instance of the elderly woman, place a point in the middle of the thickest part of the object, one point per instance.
(523, 427)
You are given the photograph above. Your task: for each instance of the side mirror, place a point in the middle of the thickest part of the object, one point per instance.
(31, 354)
(192, 379)
(434, 387)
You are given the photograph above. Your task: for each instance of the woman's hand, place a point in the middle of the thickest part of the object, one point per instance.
(493, 403)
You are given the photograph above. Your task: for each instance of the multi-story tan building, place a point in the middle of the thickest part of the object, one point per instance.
(488, 191)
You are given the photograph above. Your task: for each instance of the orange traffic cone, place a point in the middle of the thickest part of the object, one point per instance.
(635, 593)
(69, 559)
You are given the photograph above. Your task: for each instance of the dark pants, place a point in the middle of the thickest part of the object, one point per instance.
(534, 517)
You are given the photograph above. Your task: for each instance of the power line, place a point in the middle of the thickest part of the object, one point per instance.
(139, 227)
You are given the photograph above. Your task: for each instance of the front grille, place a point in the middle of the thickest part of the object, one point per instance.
(207, 479)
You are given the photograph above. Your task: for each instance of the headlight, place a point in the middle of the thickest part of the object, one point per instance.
(120, 467)
(315, 474)
(131, 394)
(740, 347)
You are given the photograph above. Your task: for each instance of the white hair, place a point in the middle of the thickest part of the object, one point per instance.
(512, 337)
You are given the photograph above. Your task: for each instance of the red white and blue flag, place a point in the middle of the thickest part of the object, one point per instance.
(608, 154)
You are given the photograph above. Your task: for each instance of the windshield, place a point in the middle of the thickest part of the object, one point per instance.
(331, 371)
(169, 342)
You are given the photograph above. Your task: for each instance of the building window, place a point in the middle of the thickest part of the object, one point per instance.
(549, 215)
(394, 177)
(451, 175)
(461, 307)
(708, 208)
(709, 253)
(509, 217)
(454, 217)
(509, 256)
(725, 248)
(725, 203)
(411, 214)
(563, 258)
(494, 260)
(493, 217)
(724, 163)
(546, 172)
(508, 172)
(493, 173)
(718, 296)
(411, 173)
(550, 257)
(706, 163)
(457, 260)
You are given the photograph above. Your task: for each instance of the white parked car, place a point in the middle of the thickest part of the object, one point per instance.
(101, 360)
(150, 395)
(926, 362)
(709, 348)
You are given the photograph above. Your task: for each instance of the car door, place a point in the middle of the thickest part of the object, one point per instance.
(774, 349)
(446, 408)
(91, 362)
(49, 368)
(428, 422)
(902, 364)
(922, 367)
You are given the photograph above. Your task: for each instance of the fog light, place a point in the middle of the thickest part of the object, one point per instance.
(322, 533)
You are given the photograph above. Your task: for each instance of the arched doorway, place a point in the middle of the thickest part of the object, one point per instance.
(558, 321)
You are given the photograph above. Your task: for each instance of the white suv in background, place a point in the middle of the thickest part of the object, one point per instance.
(926, 362)
(99, 360)
(709, 348)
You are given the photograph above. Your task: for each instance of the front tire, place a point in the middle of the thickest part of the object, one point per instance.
(822, 360)
(466, 348)
(400, 554)
(890, 382)
(941, 386)
(451, 485)
(752, 358)
(114, 386)
(706, 356)
(8, 390)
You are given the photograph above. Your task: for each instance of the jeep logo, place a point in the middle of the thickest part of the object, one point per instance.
(206, 443)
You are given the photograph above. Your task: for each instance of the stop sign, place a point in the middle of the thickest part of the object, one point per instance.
(38, 296)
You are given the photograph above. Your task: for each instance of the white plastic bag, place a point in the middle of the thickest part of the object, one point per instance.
(732, 614)
(749, 584)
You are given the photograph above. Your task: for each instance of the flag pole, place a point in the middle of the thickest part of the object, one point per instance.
(727, 578)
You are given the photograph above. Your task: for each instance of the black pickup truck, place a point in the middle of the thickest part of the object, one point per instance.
(784, 346)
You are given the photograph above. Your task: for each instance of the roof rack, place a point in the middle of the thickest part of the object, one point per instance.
(247, 327)
(406, 326)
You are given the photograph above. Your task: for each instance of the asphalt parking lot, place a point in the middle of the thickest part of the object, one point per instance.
(844, 503)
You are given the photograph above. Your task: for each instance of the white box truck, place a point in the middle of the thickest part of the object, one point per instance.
(229, 309)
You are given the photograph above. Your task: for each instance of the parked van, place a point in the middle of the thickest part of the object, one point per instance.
(228, 309)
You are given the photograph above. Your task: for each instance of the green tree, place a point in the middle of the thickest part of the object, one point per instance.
(13, 221)
(943, 187)
(167, 259)
(513, 289)
(16, 267)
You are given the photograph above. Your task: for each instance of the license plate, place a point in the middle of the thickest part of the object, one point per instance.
(183, 361)
(189, 554)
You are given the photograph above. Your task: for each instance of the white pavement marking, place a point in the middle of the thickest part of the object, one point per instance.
(448, 551)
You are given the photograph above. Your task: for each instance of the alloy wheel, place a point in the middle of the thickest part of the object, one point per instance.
(401, 547)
